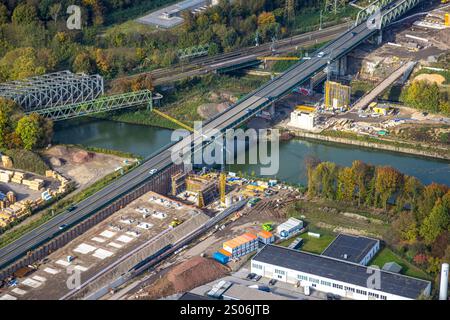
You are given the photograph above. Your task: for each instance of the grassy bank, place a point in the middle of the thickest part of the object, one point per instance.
(182, 103)
(387, 255)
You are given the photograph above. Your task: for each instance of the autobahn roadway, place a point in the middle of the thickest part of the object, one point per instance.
(231, 117)
(202, 65)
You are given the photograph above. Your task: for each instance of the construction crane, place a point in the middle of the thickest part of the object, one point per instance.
(222, 176)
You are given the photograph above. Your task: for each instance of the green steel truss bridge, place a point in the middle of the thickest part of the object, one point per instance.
(102, 104)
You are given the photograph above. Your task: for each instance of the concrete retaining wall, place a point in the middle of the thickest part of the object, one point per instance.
(160, 184)
(372, 145)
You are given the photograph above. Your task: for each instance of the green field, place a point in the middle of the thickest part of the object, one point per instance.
(387, 255)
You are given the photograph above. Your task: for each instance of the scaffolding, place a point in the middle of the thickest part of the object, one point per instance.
(336, 95)
(206, 189)
(103, 104)
(178, 183)
(53, 89)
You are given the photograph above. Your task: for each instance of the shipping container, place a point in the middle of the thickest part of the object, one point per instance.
(223, 259)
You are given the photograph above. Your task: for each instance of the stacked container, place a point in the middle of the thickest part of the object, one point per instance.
(241, 245)
(266, 237)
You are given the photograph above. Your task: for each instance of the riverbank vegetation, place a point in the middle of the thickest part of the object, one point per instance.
(183, 103)
(418, 215)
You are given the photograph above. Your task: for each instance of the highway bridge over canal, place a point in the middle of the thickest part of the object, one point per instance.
(35, 244)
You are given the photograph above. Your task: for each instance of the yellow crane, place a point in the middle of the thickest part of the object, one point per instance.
(222, 177)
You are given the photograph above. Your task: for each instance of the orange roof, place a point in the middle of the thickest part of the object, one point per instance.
(265, 234)
(249, 236)
(225, 252)
(230, 243)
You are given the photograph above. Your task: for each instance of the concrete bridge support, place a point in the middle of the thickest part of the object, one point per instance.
(160, 184)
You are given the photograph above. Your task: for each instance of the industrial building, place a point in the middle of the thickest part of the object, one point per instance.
(289, 228)
(343, 278)
(170, 16)
(303, 118)
(354, 249)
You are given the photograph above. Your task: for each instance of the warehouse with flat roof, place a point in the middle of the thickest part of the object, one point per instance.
(330, 275)
(351, 248)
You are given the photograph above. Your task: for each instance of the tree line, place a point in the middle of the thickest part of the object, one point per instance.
(419, 214)
(34, 38)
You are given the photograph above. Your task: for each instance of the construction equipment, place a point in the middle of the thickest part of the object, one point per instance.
(267, 226)
(181, 124)
(175, 222)
(222, 186)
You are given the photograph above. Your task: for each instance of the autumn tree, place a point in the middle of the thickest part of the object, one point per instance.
(266, 18)
(430, 194)
(437, 222)
(410, 193)
(346, 184)
(387, 183)
(24, 14)
(4, 14)
(83, 63)
(362, 175)
(29, 131)
(405, 226)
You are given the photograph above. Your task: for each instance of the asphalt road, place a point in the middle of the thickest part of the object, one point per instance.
(203, 65)
(231, 117)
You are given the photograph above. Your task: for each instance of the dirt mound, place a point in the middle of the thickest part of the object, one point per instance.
(82, 156)
(56, 162)
(430, 78)
(58, 151)
(186, 276)
(209, 110)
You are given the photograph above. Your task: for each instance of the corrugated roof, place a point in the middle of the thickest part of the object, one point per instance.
(339, 270)
(265, 234)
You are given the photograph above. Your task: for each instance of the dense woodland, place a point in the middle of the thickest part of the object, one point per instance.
(419, 215)
(34, 38)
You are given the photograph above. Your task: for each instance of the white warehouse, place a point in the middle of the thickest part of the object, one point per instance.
(330, 275)
(289, 227)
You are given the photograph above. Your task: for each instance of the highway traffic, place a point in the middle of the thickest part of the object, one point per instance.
(231, 117)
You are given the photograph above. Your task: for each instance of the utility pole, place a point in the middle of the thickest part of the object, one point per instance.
(320, 20)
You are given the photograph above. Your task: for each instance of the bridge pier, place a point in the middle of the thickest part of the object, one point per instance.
(380, 37)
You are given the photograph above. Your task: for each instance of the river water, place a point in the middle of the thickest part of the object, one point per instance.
(144, 140)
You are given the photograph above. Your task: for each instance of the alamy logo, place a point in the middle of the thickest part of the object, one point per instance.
(74, 280)
(212, 147)
(374, 280)
(74, 20)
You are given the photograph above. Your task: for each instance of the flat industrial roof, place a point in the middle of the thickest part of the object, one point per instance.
(355, 247)
(339, 270)
(157, 17)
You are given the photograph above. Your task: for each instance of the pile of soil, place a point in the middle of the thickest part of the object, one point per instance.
(437, 78)
(187, 276)
(81, 156)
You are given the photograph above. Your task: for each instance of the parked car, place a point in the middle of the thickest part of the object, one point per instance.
(250, 276)
(257, 277)
(272, 282)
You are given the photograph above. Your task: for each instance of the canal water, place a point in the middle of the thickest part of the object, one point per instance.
(144, 140)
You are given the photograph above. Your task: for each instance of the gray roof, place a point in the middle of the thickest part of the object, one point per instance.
(392, 267)
(339, 270)
(355, 247)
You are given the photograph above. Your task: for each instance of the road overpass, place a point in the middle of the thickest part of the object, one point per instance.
(237, 114)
